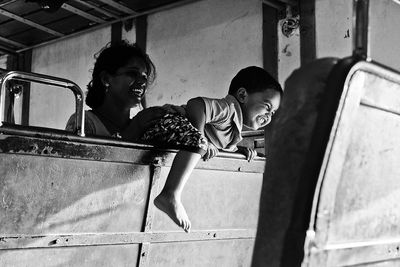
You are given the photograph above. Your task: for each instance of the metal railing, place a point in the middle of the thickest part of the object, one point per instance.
(48, 80)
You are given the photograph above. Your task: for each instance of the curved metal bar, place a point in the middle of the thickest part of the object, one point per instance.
(48, 80)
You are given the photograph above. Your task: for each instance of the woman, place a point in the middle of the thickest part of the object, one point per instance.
(121, 75)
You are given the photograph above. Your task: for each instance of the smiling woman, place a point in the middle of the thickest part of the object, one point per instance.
(121, 75)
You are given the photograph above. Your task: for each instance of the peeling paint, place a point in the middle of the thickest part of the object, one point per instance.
(347, 34)
(286, 51)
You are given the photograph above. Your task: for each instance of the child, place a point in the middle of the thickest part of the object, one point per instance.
(205, 125)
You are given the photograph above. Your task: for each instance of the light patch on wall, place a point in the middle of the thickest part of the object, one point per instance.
(198, 48)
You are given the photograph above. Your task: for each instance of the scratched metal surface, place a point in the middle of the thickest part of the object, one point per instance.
(357, 220)
(82, 203)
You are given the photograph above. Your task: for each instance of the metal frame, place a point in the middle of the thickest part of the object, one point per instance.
(48, 80)
(325, 192)
(131, 153)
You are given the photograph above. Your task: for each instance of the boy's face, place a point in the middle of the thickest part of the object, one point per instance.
(258, 107)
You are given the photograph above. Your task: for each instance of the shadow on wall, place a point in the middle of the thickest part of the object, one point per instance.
(288, 139)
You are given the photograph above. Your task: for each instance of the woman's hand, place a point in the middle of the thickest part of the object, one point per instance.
(212, 151)
(145, 119)
(248, 152)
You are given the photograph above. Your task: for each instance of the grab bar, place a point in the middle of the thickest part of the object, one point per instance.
(48, 80)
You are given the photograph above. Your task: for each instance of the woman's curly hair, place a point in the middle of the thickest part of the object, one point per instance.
(110, 59)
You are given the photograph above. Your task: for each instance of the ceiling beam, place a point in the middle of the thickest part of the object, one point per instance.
(280, 4)
(82, 13)
(108, 23)
(11, 42)
(118, 6)
(29, 22)
(6, 50)
(98, 9)
(7, 2)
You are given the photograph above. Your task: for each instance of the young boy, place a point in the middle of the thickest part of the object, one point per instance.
(204, 126)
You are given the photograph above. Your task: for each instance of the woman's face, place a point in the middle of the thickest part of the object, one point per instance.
(128, 85)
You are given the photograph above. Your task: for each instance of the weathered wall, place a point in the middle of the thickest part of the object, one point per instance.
(70, 59)
(384, 33)
(288, 53)
(199, 47)
(334, 34)
(3, 62)
(333, 23)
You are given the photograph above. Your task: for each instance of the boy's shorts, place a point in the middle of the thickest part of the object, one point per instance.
(175, 131)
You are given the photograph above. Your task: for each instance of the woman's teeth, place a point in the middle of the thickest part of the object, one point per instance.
(138, 92)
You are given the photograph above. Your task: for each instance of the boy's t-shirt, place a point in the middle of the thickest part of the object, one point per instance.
(224, 122)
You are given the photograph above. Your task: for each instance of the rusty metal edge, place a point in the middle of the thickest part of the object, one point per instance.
(64, 145)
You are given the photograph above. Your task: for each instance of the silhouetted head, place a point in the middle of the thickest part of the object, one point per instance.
(259, 95)
(123, 71)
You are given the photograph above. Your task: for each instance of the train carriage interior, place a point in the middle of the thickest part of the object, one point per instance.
(322, 191)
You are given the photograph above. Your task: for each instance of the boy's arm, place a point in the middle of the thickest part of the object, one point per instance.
(196, 113)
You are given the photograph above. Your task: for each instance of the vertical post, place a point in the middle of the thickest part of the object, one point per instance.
(26, 65)
(149, 212)
(270, 40)
(21, 62)
(141, 41)
(360, 28)
(308, 48)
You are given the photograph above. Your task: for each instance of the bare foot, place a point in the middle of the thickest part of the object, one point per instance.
(174, 209)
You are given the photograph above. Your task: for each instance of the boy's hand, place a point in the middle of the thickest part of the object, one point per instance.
(212, 151)
(248, 152)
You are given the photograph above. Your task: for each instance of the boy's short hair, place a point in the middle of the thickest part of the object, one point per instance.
(254, 79)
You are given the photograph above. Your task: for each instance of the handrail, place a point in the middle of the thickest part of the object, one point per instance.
(48, 80)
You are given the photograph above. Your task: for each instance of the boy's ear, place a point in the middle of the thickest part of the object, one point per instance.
(241, 94)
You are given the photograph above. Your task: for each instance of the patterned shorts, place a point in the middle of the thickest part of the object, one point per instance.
(175, 131)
